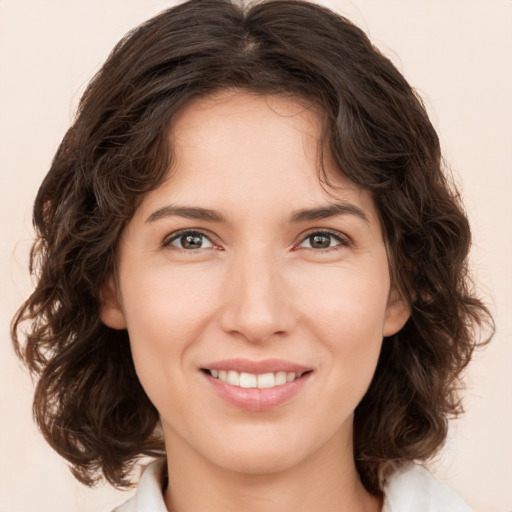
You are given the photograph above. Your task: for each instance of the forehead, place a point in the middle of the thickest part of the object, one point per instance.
(229, 124)
(243, 150)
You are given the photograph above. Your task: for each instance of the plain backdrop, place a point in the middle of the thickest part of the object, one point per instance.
(457, 53)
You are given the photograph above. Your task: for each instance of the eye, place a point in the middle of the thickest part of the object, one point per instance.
(323, 240)
(189, 240)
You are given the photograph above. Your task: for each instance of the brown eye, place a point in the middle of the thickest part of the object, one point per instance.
(322, 240)
(189, 240)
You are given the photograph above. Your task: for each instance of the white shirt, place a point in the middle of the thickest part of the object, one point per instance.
(410, 489)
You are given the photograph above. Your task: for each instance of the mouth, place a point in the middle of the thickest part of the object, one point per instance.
(251, 380)
(256, 386)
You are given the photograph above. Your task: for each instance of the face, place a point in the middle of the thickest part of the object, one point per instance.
(255, 299)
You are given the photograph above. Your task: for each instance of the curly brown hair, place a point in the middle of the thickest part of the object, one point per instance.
(88, 402)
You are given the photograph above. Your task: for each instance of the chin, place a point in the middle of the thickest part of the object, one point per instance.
(259, 453)
(259, 461)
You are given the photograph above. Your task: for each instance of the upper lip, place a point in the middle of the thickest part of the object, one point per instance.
(257, 367)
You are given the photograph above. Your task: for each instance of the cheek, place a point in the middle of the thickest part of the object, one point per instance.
(346, 301)
(167, 303)
(165, 312)
(346, 315)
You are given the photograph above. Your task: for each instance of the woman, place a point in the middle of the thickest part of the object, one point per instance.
(251, 263)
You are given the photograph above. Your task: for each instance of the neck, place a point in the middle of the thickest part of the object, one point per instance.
(326, 481)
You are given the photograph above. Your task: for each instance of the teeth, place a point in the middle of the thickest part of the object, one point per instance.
(233, 378)
(281, 378)
(266, 380)
(250, 380)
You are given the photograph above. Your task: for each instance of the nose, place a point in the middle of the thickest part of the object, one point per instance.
(258, 303)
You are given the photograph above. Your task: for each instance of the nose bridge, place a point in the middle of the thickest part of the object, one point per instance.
(256, 304)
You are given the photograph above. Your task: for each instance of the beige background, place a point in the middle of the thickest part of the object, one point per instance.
(457, 53)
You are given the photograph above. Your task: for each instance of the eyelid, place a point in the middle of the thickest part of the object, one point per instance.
(343, 239)
(171, 237)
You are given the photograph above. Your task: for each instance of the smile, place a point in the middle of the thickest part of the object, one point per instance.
(251, 380)
(256, 385)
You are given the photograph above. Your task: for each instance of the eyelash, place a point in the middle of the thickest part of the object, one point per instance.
(176, 236)
(343, 240)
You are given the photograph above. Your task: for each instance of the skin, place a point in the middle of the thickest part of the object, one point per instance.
(255, 286)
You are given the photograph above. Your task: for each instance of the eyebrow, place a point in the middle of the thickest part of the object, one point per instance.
(188, 212)
(303, 215)
(325, 212)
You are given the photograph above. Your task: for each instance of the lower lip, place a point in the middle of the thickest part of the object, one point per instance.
(256, 399)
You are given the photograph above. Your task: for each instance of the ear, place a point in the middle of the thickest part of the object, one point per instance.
(111, 312)
(397, 313)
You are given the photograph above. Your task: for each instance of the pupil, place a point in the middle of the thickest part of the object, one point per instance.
(321, 241)
(192, 241)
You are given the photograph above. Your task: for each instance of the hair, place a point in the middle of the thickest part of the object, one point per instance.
(88, 401)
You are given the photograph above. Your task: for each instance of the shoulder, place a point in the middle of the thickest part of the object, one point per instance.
(414, 488)
(149, 496)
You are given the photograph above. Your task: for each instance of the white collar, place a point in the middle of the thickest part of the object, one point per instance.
(149, 497)
(411, 488)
